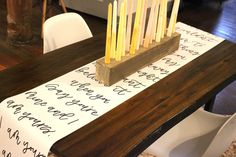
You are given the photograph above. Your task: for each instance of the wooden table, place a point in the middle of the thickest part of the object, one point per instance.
(132, 126)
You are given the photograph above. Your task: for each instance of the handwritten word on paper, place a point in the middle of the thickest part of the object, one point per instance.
(32, 121)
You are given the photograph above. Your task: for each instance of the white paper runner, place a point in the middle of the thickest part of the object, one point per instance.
(31, 122)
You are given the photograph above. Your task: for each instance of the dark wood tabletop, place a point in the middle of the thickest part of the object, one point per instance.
(132, 126)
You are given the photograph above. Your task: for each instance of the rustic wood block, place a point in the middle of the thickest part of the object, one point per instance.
(111, 73)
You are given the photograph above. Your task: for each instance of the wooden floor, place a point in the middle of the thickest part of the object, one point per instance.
(209, 16)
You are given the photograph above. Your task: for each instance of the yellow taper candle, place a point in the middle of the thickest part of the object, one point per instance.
(164, 19)
(160, 21)
(114, 29)
(129, 24)
(120, 33)
(143, 22)
(140, 25)
(136, 28)
(108, 35)
(124, 28)
(150, 24)
(174, 13)
(154, 27)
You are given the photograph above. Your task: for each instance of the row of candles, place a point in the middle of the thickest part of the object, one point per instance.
(120, 41)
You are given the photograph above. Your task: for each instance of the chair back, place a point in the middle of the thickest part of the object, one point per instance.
(223, 138)
(190, 137)
(64, 29)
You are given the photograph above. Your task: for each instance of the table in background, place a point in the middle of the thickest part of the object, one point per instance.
(132, 126)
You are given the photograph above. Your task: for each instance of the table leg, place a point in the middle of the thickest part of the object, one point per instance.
(44, 15)
(63, 6)
(209, 105)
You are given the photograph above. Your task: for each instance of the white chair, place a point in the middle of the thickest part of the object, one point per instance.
(64, 29)
(45, 9)
(222, 139)
(195, 135)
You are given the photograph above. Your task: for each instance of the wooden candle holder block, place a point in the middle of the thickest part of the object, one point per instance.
(113, 72)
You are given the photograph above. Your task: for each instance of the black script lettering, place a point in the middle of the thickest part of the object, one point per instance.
(37, 101)
(186, 48)
(100, 97)
(157, 68)
(36, 123)
(120, 90)
(179, 56)
(202, 36)
(15, 135)
(84, 87)
(73, 121)
(17, 107)
(151, 77)
(185, 40)
(194, 43)
(133, 83)
(182, 30)
(59, 114)
(83, 70)
(198, 44)
(83, 107)
(31, 149)
(89, 75)
(196, 34)
(59, 93)
(169, 62)
(5, 154)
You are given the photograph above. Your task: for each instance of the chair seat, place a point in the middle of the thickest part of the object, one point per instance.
(189, 138)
